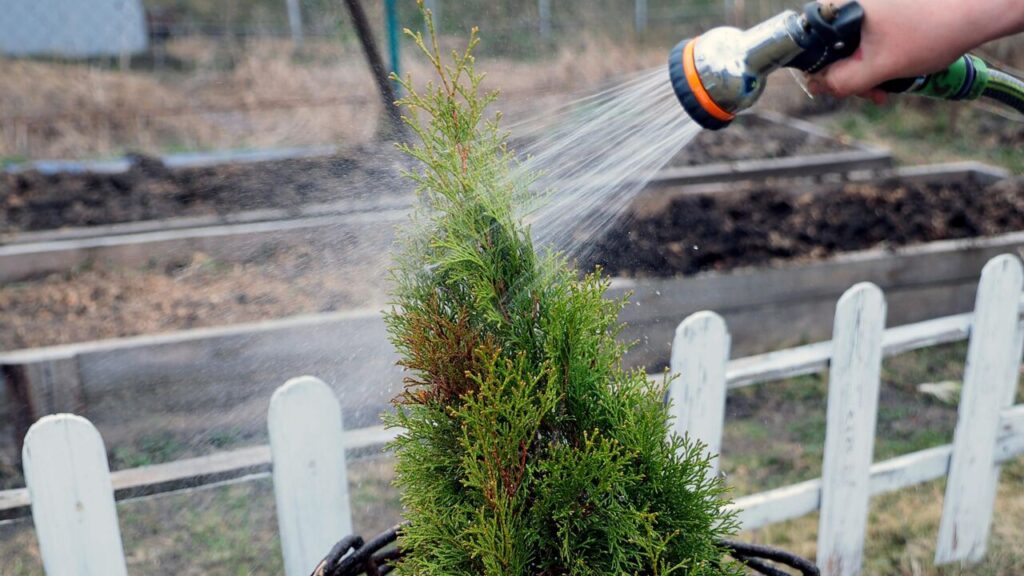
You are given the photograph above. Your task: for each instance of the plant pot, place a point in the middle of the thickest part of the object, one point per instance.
(378, 557)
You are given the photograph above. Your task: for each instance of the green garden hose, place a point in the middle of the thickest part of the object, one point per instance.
(1005, 88)
(969, 78)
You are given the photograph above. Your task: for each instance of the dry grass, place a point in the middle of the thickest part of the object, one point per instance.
(233, 530)
(255, 96)
(229, 530)
(903, 527)
(109, 302)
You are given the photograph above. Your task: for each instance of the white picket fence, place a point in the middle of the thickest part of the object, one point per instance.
(72, 495)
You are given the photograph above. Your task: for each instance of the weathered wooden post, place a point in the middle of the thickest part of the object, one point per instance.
(544, 11)
(310, 476)
(65, 465)
(41, 383)
(393, 116)
(700, 352)
(295, 23)
(990, 383)
(850, 429)
(640, 16)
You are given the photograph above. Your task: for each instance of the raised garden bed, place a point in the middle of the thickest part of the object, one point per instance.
(149, 190)
(226, 370)
(196, 193)
(100, 288)
(921, 234)
(762, 135)
(770, 224)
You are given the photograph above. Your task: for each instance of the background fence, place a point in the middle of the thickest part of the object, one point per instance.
(72, 492)
(167, 75)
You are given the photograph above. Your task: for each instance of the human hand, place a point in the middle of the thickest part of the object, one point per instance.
(907, 38)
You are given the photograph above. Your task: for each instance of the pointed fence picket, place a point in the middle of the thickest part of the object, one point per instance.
(71, 494)
(990, 383)
(700, 353)
(310, 479)
(850, 429)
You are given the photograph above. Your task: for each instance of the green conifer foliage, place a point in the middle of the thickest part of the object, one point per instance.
(528, 449)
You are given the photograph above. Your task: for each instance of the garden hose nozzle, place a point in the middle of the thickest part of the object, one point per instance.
(723, 71)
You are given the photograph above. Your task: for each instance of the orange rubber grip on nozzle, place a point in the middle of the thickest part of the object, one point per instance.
(697, 87)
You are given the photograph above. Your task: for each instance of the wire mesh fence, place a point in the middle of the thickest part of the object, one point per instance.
(88, 78)
(94, 78)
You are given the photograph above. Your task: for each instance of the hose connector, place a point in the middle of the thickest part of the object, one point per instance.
(965, 79)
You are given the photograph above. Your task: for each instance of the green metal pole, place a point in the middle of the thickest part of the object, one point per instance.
(391, 17)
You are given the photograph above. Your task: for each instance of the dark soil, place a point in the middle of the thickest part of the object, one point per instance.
(149, 190)
(725, 231)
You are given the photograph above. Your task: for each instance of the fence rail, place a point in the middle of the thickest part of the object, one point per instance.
(72, 493)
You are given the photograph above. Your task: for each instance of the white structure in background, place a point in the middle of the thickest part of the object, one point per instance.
(72, 28)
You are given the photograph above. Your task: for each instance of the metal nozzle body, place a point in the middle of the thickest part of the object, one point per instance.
(733, 64)
(724, 71)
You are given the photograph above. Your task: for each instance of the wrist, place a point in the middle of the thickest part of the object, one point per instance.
(999, 18)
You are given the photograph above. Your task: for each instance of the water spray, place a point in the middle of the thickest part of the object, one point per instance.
(723, 71)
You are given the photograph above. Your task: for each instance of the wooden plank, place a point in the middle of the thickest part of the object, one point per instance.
(977, 173)
(697, 395)
(926, 281)
(789, 502)
(936, 263)
(814, 358)
(990, 382)
(178, 160)
(310, 479)
(230, 243)
(652, 201)
(37, 389)
(790, 167)
(263, 215)
(66, 472)
(195, 383)
(854, 376)
(149, 381)
(160, 478)
(196, 472)
(13, 502)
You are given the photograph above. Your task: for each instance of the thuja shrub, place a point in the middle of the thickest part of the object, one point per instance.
(527, 448)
